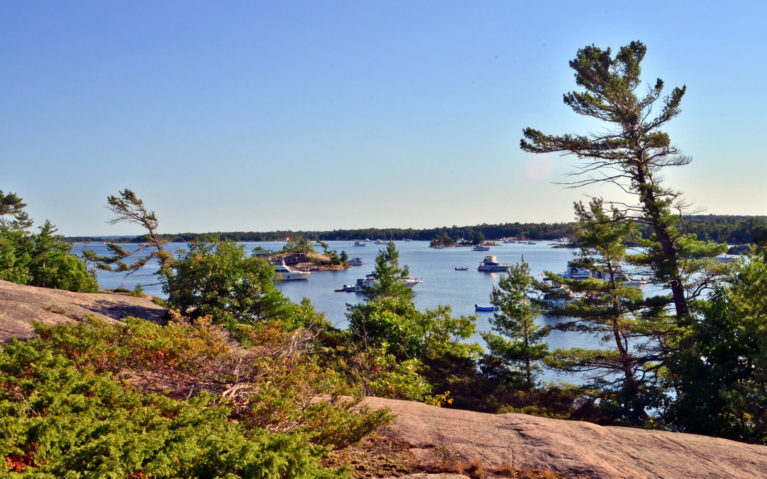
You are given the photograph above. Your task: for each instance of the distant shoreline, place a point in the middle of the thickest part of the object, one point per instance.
(720, 228)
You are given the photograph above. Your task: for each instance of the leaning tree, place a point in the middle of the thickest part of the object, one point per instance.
(631, 153)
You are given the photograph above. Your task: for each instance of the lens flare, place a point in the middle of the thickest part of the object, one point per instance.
(539, 167)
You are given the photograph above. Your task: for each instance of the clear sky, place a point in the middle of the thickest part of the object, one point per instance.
(258, 116)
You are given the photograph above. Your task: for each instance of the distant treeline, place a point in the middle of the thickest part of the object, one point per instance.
(732, 229)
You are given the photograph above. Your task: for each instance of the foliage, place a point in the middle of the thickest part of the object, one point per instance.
(477, 237)
(58, 421)
(274, 389)
(519, 343)
(41, 259)
(631, 154)
(408, 333)
(129, 208)
(624, 374)
(219, 280)
(298, 244)
(720, 373)
(11, 204)
(388, 277)
(409, 346)
(442, 240)
(375, 372)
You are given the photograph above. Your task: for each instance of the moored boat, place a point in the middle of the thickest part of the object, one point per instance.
(367, 281)
(355, 262)
(491, 265)
(289, 274)
(576, 272)
(485, 309)
(481, 248)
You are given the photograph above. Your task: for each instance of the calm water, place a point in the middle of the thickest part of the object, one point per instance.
(442, 284)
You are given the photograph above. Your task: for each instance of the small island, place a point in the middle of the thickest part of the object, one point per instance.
(300, 253)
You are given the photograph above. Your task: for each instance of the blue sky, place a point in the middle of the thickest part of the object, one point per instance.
(260, 116)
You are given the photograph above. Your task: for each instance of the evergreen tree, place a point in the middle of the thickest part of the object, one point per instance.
(42, 259)
(129, 208)
(301, 244)
(624, 372)
(519, 344)
(11, 204)
(388, 277)
(721, 371)
(631, 154)
(217, 279)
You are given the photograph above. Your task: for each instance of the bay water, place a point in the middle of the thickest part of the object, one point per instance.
(442, 283)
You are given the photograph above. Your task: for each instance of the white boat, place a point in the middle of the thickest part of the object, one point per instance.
(355, 262)
(558, 298)
(577, 273)
(362, 283)
(481, 248)
(726, 258)
(289, 274)
(490, 265)
(360, 243)
(380, 241)
(411, 281)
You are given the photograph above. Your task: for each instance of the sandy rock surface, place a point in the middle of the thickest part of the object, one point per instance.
(571, 448)
(20, 305)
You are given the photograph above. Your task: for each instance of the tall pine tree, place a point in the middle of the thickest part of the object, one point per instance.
(519, 344)
(631, 153)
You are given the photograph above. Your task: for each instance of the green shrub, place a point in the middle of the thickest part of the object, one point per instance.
(274, 384)
(219, 280)
(58, 421)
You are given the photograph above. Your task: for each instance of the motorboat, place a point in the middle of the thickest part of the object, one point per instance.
(347, 288)
(355, 262)
(411, 281)
(462, 268)
(485, 309)
(288, 274)
(491, 265)
(580, 274)
(367, 281)
(380, 241)
(558, 297)
(726, 258)
(360, 243)
(481, 248)
(577, 273)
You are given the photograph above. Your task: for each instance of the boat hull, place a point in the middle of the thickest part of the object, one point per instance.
(493, 269)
